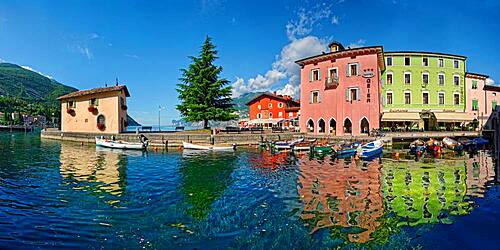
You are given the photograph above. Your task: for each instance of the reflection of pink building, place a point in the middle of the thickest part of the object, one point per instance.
(481, 98)
(340, 90)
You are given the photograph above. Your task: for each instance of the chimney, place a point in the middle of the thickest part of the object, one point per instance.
(274, 92)
(335, 46)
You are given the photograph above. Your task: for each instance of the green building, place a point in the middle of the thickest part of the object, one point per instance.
(423, 91)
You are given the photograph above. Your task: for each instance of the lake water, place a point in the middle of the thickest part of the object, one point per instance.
(64, 195)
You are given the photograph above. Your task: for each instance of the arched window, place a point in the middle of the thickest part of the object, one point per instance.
(347, 126)
(310, 126)
(333, 127)
(365, 126)
(321, 126)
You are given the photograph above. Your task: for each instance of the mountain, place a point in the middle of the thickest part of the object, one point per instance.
(16, 81)
(240, 103)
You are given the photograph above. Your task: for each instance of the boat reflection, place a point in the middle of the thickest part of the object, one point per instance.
(368, 201)
(101, 171)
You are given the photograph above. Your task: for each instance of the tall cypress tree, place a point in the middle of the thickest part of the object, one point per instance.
(204, 95)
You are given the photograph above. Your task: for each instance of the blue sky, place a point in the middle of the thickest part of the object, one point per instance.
(144, 43)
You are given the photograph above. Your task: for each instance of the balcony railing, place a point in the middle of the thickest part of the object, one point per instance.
(331, 82)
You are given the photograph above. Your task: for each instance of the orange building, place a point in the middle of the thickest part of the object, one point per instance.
(270, 109)
(99, 110)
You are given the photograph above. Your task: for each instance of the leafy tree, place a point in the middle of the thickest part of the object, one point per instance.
(204, 95)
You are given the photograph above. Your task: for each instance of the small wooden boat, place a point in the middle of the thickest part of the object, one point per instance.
(286, 145)
(322, 149)
(467, 143)
(101, 142)
(452, 144)
(417, 146)
(348, 150)
(302, 146)
(192, 146)
(370, 149)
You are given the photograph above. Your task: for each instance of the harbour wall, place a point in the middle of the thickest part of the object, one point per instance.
(175, 139)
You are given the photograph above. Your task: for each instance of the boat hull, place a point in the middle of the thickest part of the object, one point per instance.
(191, 146)
(119, 144)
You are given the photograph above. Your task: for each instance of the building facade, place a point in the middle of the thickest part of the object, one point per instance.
(270, 109)
(423, 91)
(99, 110)
(339, 91)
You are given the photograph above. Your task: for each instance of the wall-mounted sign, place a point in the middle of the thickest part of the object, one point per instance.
(368, 74)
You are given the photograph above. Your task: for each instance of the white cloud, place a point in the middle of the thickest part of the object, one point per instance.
(301, 45)
(84, 50)
(2, 60)
(357, 44)
(490, 81)
(36, 71)
(336, 20)
(307, 20)
(132, 56)
(283, 67)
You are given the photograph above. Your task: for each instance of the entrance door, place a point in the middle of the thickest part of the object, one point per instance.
(426, 124)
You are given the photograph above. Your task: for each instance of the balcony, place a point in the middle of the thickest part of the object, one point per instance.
(332, 82)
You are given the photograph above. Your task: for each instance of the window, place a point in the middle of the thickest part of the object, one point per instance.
(407, 78)
(352, 69)
(441, 79)
(407, 61)
(441, 98)
(474, 84)
(456, 99)
(389, 78)
(333, 74)
(425, 78)
(280, 114)
(475, 105)
(259, 107)
(425, 61)
(94, 102)
(270, 115)
(270, 105)
(280, 105)
(315, 75)
(71, 104)
(407, 98)
(315, 97)
(425, 98)
(493, 105)
(389, 98)
(456, 64)
(456, 80)
(441, 62)
(290, 115)
(389, 61)
(259, 116)
(352, 94)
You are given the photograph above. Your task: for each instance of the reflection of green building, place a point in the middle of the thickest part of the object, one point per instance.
(419, 195)
(423, 89)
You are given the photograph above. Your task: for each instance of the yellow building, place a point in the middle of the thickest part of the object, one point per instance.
(99, 110)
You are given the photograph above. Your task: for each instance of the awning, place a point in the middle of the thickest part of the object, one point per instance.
(265, 121)
(400, 117)
(453, 117)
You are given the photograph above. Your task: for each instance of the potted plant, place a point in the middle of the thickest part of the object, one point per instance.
(69, 111)
(101, 126)
(124, 107)
(91, 109)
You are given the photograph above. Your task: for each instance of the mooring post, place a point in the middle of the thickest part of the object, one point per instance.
(166, 145)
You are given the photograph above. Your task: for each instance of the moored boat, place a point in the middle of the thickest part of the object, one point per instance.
(192, 146)
(101, 142)
(302, 146)
(347, 150)
(480, 141)
(370, 149)
(323, 149)
(417, 146)
(452, 144)
(286, 145)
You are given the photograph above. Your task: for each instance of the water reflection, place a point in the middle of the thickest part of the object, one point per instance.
(344, 196)
(205, 176)
(100, 171)
(367, 202)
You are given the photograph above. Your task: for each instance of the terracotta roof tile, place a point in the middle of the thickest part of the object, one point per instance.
(95, 91)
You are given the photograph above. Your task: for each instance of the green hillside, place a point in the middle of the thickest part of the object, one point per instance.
(24, 84)
(240, 103)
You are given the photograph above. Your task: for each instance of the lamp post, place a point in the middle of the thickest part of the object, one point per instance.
(160, 108)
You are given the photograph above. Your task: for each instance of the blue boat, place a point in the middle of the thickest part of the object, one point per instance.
(370, 149)
(480, 142)
(348, 151)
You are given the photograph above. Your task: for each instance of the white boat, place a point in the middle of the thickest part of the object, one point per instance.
(284, 145)
(120, 144)
(187, 145)
(370, 149)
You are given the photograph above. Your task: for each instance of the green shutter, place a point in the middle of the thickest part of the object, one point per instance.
(347, 70)
(493, 105)
(474, 105)
(347, 95)
(474, 84)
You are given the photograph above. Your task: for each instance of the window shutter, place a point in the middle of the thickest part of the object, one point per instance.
(358, 93)
(311, 98)
(384, 102)
(357, 69)
(311, 75)
(319, 99)
(347, 70)
(347, 95)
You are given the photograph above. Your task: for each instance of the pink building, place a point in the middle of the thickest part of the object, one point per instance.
(340, 91)
(482, 99)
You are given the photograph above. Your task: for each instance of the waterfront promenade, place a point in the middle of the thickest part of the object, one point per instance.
(175, 139)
